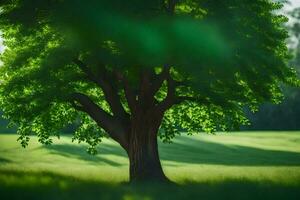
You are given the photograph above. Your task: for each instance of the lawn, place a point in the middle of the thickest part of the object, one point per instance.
(238, 165)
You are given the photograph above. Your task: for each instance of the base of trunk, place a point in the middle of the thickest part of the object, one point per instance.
(163, 180)
(144, 161)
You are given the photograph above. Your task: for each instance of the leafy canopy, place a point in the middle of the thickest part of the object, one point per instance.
(223, 55)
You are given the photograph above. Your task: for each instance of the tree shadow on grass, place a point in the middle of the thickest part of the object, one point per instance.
(79, 152)
(4, 160)
(188, 150)
(45, 185)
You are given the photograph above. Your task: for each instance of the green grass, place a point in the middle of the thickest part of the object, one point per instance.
(245, 165)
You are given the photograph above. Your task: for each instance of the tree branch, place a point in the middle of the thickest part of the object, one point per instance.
(110, 124)
(160, 79)
(110, 93)
(170, 98)
(129, 94)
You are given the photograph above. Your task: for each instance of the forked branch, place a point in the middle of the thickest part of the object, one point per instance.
(110, 92)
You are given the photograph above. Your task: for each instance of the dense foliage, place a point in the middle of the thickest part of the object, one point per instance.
(285, 116)
(204, 60)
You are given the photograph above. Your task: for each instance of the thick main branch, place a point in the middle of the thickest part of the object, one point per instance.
(109, 123)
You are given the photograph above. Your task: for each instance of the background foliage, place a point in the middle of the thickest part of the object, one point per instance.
(285, 116)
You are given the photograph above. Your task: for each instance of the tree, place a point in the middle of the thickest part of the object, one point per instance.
(285, 116)
(138, 70)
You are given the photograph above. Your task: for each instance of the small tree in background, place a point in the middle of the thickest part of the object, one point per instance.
(136, 70)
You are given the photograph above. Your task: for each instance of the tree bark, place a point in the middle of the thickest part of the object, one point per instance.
(143, 153)
(135, 132)
(144, 162)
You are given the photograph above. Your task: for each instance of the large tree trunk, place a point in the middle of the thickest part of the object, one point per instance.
(143, 154)
(144, 162)
(135, 132)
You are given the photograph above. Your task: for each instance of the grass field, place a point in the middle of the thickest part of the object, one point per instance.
(244, 165)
